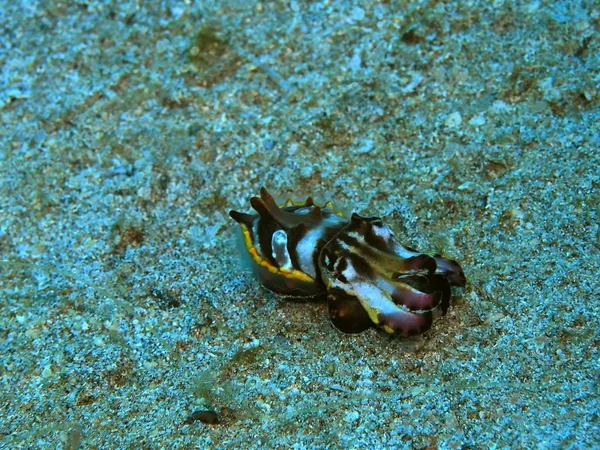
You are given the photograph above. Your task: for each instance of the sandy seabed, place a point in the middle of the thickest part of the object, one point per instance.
(129, 131)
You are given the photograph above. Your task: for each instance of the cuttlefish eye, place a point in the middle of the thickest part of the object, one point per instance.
(334, 266)
(328, 260)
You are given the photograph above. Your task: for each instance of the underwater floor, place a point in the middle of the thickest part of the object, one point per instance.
(130, 129)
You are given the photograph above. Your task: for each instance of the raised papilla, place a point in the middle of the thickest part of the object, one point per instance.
(368, 278)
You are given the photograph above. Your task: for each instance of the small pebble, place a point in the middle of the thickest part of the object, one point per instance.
(207, 417)
(358, 13)
(453, 120)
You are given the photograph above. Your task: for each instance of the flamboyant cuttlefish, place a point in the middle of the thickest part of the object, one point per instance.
(306, 250)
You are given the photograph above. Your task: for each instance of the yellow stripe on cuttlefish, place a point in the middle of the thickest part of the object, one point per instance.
(258, 259)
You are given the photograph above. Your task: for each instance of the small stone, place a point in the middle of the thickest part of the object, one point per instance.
(500, 105)
(366, 147)
(477, 120)
(207, 417)
(453, 120)
(47, 372)
(358, 13)
(351, 416)
(306, 172)
(355, 62)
